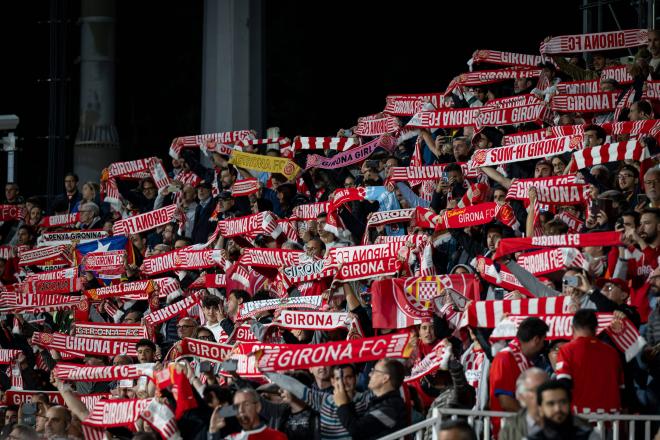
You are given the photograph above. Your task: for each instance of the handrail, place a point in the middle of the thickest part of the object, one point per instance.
(436, 420)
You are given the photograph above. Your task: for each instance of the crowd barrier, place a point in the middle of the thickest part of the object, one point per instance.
(610, 426)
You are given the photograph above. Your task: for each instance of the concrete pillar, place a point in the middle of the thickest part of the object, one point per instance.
(97, 141)
(232, 66)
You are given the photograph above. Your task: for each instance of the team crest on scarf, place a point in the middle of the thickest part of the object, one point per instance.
(576, 143)
(479, 156)
(416, 300)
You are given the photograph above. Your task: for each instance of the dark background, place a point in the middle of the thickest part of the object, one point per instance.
(325, 64)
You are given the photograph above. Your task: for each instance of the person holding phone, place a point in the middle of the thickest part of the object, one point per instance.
(246, 407)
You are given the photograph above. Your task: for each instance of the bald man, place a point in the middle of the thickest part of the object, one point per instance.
(528, 420)
(58, 420)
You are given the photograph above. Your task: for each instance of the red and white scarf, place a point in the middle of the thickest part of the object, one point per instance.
(195, 141)
(496, 117)
(324, 143)
(349, 157)
(101, 330)
(437, 358)
(116, 412)
(502, 277)
(573, 222)
(610, 152)
(376, 125)
(161, 418)
(146, 221)
(525, 137)
(634, 128)
(59, 281)
(248, 227)
(176, 309)
(519, 187)
(595, 42)
(427, 172)
(623, 333)
(252, 308)
(483, 77)
(183, 259)
(310, 211)
(211, 351)
(282, 141)
(511, 245)
(109, 263)
(8, 356)
(534, 150)
(489, 313)
(25, 302)
(453, 118)
(516, 351)
(59, 221)
(17, 397)
(144, 287)
(618, 73)
(548, 260)
(47, 256)
(585, 103)
(363, 262)
(506, 58)
(66, 237)
(313, 320)
(244, 187)
(281, 357)
(79, 373)
(77, 345)
(578, 87)
(12, 212)
(271, 258)
(408, 105)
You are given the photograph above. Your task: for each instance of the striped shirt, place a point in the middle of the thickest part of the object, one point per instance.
(324, 404)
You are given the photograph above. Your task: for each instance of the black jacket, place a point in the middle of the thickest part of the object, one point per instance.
(203, 227)
(385, 414)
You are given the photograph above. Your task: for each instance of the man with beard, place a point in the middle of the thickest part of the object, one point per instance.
(554, 400)
(247, 405)
(652, 187)
(449, 190)
(642, 261)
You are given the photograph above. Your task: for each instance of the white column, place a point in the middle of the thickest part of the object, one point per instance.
(231, 70)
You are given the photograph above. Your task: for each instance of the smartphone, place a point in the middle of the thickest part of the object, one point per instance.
(444, 176)
(339, 374)
(228, 411)
(595, 207)
(571, 281)
(204, 367)
(126, 383)
(499, 293)
(229, 365)
(642, 199)
(29, 414)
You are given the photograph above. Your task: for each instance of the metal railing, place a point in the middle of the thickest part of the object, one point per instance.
(480, 420)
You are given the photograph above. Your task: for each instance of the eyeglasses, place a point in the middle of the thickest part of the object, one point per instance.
(625, 176)
(205, 337)
(376, 370)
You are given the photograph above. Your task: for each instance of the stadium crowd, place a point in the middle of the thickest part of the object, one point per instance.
(491, 247)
